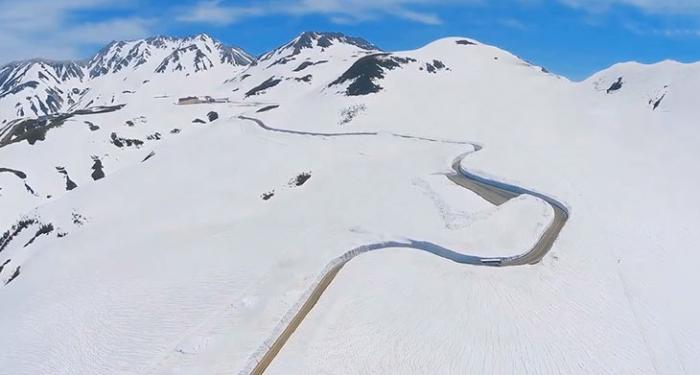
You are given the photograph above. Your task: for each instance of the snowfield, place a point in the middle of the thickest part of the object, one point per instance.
(147, 245)
(479, 322)
(192, 253)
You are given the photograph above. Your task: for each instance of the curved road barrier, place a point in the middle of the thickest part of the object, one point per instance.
(498, 193)
(492, 191)
(316, 134)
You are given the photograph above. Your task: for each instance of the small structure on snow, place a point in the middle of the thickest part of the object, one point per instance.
(200, 100)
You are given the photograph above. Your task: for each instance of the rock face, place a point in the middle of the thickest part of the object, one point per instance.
(364, 73)
(97, 169)
(269, 83)
(34, 129)
(615, 86)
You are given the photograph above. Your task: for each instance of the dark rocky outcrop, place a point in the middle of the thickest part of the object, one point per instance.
(78, 219)
(92, 126)
(259, 89)
(43, 229)
(364, 73)
(14, 275)
(300, 179)
(125, 142)
(16, 229)
(2, 266)
(70, 185)
(615, 86)
(267, 108)
(17, 173)
(465, 42)
(97, 169)
(150, 155)
(282, 61)
(29, 189)
(349, 113)
(33, 130)
(307, 64)
(435, 66)
(154, 137)
(655, 103)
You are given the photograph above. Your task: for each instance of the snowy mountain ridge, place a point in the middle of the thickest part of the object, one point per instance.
(180, 199)
(132, 54)
(311, 40)
(39, 87)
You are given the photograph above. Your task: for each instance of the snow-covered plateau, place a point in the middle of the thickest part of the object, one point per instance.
(177, 206)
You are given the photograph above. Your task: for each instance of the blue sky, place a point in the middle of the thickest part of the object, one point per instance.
(570, 37)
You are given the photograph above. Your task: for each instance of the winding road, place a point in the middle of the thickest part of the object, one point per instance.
(495, 192)
(498, 193)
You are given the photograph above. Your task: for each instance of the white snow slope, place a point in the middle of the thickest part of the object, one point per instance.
(177, 265)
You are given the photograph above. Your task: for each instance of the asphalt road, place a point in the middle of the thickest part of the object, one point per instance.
(498, 193)
(492, 191)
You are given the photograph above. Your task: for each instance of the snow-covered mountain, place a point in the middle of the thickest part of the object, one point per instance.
(668, 87)
(38, 87)
(165, 54)
(296, 67)
(140, 235)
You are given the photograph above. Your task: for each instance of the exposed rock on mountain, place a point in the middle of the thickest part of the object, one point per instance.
(364, 74)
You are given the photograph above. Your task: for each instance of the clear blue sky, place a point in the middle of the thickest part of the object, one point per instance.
(571, 37)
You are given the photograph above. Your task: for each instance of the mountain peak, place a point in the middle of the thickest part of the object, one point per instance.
(326, 39)
(318, 40)
(167, 52)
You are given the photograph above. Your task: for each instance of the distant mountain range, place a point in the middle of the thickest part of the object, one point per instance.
(37, 87)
